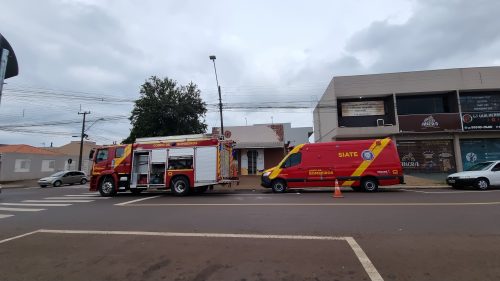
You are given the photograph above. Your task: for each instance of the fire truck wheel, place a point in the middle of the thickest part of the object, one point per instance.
(278, 186)
(107, 187)
(180, 186)
(369, 185)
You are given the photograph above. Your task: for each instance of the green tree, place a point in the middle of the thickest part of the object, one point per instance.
(166, 109)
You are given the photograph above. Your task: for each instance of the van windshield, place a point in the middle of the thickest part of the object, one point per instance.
(480, 166)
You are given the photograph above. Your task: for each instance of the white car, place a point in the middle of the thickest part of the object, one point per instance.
(481, 176)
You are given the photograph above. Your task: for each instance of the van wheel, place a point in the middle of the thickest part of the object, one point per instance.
(278, 186)
(107, 187)
(482, 183)
(180, 186)
(369, 185)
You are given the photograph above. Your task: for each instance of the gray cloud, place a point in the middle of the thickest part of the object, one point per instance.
(439, 34)
(266, 51)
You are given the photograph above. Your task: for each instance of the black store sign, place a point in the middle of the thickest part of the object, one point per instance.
(481, 121)
(480, 111)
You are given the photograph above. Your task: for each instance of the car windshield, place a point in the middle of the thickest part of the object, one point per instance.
(480, 166)
(58, 174)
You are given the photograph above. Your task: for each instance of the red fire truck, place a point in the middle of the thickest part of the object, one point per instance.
(183, 164)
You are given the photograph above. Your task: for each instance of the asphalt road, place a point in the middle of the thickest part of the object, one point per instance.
(69, 233)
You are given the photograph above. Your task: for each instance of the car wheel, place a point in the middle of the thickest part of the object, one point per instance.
(482, 183)
(83, 181)
(455, 186)
(180, 186)
(278, 186)
(369, 185)
(57, 183)
(107, 187)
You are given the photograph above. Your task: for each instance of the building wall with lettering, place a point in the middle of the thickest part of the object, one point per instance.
(427, 156)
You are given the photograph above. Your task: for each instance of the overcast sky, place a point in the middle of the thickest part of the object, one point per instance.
(268, 52)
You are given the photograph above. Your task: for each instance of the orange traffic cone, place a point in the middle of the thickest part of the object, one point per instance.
(337, 193)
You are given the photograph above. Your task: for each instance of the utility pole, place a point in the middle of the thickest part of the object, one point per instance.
(3, 67)
(81, 138)
(220, 98)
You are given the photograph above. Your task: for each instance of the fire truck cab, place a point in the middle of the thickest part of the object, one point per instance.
(183, 164)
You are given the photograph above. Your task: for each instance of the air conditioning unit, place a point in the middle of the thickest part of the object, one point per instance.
(380, 122)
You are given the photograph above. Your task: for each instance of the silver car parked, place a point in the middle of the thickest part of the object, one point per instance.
(64, 177)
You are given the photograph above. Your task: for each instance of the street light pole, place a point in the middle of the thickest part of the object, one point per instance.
(81, 139)
(220, 98)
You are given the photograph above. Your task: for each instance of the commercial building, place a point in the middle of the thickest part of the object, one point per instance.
(442, 120)
(262, 146)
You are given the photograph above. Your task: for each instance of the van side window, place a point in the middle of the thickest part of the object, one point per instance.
(102, 155)
(292, 160)
(119, 152)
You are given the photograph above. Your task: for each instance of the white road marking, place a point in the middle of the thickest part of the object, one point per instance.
(82, 198)
(20, 209)
(451, 192)
(83, 195)
(58, 201)
(312, 204)
(19, 236)
(358, 251)
(5, 216)
(365, 261)
(35, 204)
(91, 193)
(136, 200)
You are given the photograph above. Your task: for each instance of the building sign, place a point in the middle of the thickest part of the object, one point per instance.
(435, 156)
(363, 108)
(479, 150)
(480, 102)
(481, 121)
(429, 123)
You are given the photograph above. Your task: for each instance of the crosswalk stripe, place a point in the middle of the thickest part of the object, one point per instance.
(69, 198)
(20, 209)
(5, 216)
(35, 204)
(58, 201)
(90, 193)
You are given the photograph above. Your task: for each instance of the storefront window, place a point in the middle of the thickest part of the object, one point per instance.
(432, 156)
(479, 150)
